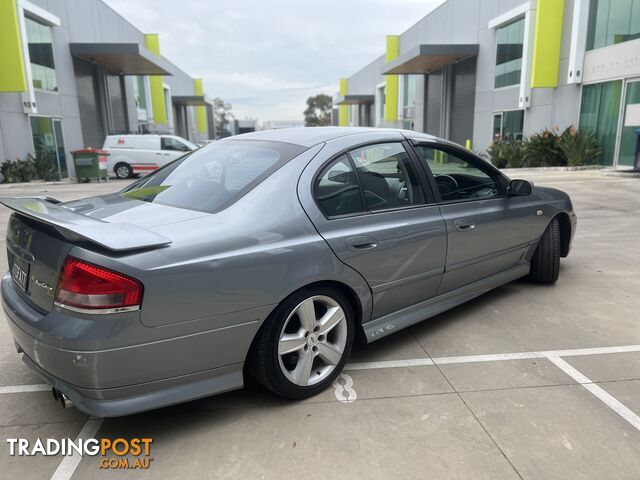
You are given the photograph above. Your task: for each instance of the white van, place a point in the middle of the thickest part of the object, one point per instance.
(130, 155)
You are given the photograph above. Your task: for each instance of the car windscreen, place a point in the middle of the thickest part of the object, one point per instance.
(213, 177)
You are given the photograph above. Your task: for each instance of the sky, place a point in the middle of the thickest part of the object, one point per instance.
(266, 57)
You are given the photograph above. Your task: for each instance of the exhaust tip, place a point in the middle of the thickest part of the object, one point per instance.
(64, 400)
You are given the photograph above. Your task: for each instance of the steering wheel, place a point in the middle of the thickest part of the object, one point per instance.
(447, 185)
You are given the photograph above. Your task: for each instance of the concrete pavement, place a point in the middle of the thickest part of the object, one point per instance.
(431, 415)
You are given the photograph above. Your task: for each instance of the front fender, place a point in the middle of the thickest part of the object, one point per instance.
(549, 203)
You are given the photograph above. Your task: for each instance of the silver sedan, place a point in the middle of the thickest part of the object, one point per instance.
(273, 250)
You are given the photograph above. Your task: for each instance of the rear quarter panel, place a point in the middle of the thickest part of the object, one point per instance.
(249, 256)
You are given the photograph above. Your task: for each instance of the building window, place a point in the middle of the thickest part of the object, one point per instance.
(40, 44)
(599, 113)
(510, 41)
(508, 125)
(613, 21)
(408, 101)
(382, 99)
(140, 92)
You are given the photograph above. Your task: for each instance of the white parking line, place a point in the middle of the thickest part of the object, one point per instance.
(598, 391)
(552, 355)
(492, 357)
(69, 464)
(25, 388)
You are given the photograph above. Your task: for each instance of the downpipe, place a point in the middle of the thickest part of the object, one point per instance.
(59, 396)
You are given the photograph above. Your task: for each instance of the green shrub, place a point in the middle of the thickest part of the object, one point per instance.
(546, 149)
(17, 170)
(543, 150)
(579, 147)
(507, 153)
(43, 164)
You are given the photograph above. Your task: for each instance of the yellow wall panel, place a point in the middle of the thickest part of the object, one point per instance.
(12, 73)
(152, 42)
(391, 87)
(547, 43)
(342, 111)
(201, 118)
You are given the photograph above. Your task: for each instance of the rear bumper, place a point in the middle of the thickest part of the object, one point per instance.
(139, 398)
(116, 381)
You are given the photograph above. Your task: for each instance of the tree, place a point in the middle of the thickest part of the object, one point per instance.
(222, 116)
(318, 111)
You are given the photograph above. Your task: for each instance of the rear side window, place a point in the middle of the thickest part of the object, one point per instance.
(387, 176)
(368, 179)
(336, 190)
(213, 177)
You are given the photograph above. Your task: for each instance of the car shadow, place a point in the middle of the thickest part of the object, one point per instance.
(233, 406)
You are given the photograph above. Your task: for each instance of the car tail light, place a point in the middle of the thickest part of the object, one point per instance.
(83, 286)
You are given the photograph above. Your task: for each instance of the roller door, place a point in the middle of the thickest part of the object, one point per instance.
(433, 96)
(463, 98)
(90, 115)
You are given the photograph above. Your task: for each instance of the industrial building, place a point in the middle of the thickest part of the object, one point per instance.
(475, 70)
(75, 71)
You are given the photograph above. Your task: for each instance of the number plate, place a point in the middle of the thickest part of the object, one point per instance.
(20, 273)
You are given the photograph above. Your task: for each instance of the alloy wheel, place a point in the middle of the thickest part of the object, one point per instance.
(123, 171)
(312, 340)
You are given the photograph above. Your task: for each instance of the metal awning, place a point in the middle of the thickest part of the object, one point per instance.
(190, 100)
(426, 58)
(354, 99)
(126, 58)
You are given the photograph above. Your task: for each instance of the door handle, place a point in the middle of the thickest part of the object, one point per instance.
(361, 242)
(158, 153)
(464, 227)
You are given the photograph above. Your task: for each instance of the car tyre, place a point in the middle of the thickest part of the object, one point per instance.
(545, 264)
(123, 171)
(290, 343)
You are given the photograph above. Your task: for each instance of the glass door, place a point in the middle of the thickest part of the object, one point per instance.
(630, 123)
(600, 113)
(48, 141)
(60, 153)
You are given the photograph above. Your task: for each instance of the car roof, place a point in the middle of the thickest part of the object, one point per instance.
(310, 136)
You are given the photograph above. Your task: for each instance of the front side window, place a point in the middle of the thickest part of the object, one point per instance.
(168, 143)
(612, 22)
(510, 42)
(40, 45)
(387, 176)
(213, 177)
(458, 179)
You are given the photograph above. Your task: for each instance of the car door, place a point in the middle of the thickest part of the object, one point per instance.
(487, 231)
(373, 206)
(146, 157)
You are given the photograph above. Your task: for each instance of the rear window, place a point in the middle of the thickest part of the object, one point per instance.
(215, 176)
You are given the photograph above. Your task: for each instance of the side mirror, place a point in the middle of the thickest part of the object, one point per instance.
(519, 188)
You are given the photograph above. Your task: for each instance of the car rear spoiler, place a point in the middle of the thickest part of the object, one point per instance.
(73, 226)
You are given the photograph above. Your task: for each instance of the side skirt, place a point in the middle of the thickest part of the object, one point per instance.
(383, 326)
